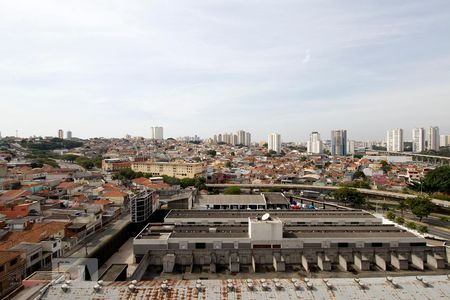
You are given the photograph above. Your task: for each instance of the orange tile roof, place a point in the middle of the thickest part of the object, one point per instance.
(37, 233)
(114, 194)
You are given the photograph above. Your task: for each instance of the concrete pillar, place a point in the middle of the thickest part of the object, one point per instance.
(362, 262)
(279, 264)
(235, 266)
(417, 260)
(305, 263)
(380, 261)
(323, 262)
(435, 261)
(168, 263)
(343, 263)
(399, 261)
(253, 264)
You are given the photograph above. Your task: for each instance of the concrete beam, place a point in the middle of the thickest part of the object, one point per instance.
(399, 261)
(362, 262)
(305, 263)
(417, 260)
(323, 262)
(380, 261)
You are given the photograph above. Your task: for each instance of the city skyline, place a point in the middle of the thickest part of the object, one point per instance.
(280, 67)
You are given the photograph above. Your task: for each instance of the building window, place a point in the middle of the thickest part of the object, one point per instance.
(200, 245)
(34, 256)
(2, 268)
(13, 262)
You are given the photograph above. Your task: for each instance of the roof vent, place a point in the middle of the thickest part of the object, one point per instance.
(97, 287)
(266, 217)
(392, 281)
(265, 287)
(360, 284)
(65, 287)
(164, 287)
(134, 282)
(230, 284)
(250, 285)
(131, 287)
(328, 284)
(278, 286)
(297, 285)
(423, 281)
(100, 282)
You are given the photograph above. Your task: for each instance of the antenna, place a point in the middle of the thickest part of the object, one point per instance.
(265, 217)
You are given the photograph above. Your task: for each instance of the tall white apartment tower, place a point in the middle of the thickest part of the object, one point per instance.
(274, 142)
(241, 137)
(314, 145)
(394, 140)
(248, 139)
(60, 133)
(433, 138)
(418, 140)
(444, 141)
(156, 133)
(69, 135)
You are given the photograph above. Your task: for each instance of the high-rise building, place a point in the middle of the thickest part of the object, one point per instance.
(60, 134)
(339, 142)
(274, 142)
(314, 145)
(394, 140)
(156, 133)
(69, 135)
(142, 205)
(443, 141)
(350, 147)
(241, 137)
(433, 138)
(248, 139)
(418, 142)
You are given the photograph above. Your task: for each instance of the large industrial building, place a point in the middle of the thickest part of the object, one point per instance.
(173, 169)
(277, 240)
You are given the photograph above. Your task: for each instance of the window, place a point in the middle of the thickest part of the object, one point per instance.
(200, 245)
(34, 256)
(342, 245)
(2, 268)
(13, 262)
(377, 245)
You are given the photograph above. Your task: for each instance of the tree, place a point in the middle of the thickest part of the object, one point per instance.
(437, 180)
(422, 229)
(36, 164)
(359, 175)
(402, 206)
(232, 190)
(410, 225)
(400, 220)
(390, 215)
(420, 206)
(385, 166)
(212, 152)
(349, 196)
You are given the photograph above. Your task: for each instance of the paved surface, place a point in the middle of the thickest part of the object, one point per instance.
(123, 256)
(91, 242)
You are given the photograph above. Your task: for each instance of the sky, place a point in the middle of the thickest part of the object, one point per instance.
(111, 68)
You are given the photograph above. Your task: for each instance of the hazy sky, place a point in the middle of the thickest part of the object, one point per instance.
(108, 68)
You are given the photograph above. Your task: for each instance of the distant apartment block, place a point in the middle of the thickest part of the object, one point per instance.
(274, 142)
(60, 133)
(69, 135)
(418, 140)
(433, 138)
(314, 145)
(339, 142)
(156, 133)
(394, 140)
(115, 164)
(173, 169)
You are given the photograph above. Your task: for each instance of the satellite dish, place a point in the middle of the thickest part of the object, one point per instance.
(265, 217)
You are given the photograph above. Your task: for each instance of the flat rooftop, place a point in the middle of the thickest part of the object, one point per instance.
(231, 200)
(276, 199)
(408, 287)
(282, 214)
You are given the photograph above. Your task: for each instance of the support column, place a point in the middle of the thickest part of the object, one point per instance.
(279, 264)
(343, 263)
(253, 264)
(399, 261)
(305, 263)
(168, 263)
(235, 266)
(417, 260)
(362, 262)
(323, 262)
(435, 261)
(380, 261)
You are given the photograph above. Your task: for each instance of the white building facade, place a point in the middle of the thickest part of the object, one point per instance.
(394, 140)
